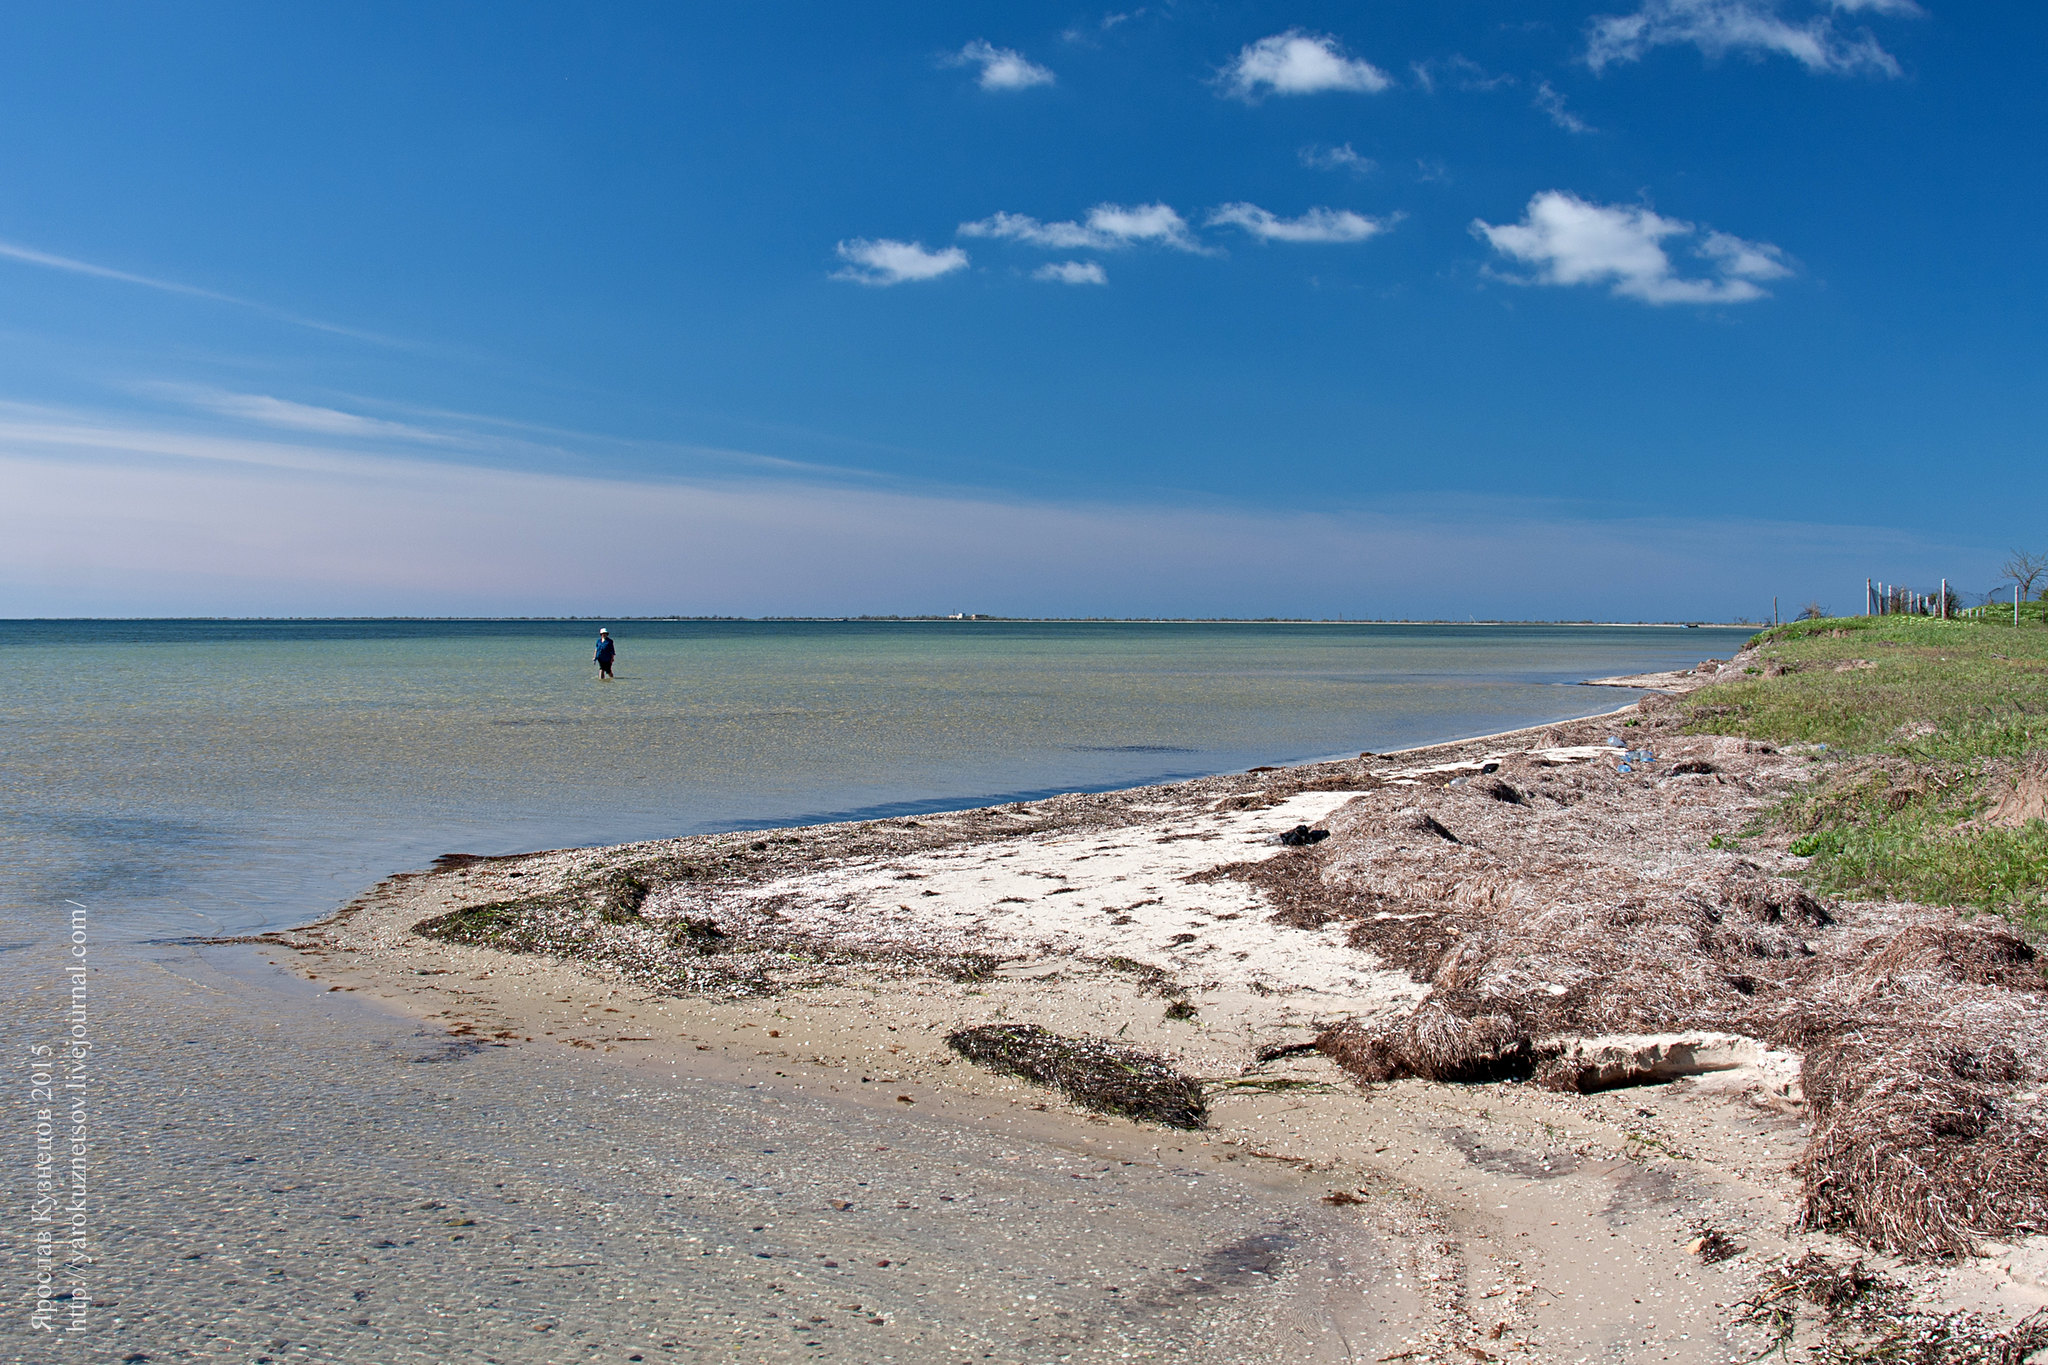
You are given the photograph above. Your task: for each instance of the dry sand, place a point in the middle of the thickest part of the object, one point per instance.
(1541, 1226)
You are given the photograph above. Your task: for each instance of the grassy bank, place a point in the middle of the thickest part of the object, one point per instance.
(1931, 727)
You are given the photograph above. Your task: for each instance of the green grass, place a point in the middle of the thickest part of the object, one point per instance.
(1932, 690)
(1920, 717)
(1888, 831)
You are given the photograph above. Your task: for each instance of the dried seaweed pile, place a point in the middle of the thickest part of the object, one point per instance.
(1543, 902)
(1097, 1075)
(1930, 1128)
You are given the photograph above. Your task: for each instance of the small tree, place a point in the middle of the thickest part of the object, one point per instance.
(1812, 611)
(2026, 569)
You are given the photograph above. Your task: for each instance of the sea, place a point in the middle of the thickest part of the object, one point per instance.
(230, 777)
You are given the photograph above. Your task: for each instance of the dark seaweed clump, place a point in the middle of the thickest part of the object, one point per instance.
(602, 918)
(561, 921)
(507, 925)
(1092, 1073)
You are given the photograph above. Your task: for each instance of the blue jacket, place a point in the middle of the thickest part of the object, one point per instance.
(605, 649)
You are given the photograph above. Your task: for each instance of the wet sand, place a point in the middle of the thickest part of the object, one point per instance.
(291, 1173)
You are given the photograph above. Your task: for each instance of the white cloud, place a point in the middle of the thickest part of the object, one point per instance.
(1107, 227)
(1550, 102)
(1750, 27)
(1071, 272)
(1336, 159)
(1299, 63)
(1905, 8)
(1022, 227)
(1002, 68)
(882, 261)
(1143, 223)
(1566, 241)
(1316, 225)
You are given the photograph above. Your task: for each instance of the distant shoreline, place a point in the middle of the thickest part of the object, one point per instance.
(911, 620)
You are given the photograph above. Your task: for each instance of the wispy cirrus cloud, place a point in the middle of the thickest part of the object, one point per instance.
(1564, 240)
(1106, 227)
(885, 261)
(1459, 71)
(288, 415)
(1114, 19)
(49, 261)
(1299, 63)
(1752, 28)
(25, 255)
(1318, 225)
(114, 518)
(467, 438)
(1343, 158)
(1550, 102)
(1072, 272)
(1002, 68)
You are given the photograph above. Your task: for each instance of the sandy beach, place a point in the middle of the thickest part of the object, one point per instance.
(1554, 1221)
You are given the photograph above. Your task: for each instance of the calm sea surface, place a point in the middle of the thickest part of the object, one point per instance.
(185, 776)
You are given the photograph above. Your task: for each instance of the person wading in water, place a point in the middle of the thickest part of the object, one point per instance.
(606, 652)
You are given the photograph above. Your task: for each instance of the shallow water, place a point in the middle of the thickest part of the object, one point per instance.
(279, 1175)
(235, 776)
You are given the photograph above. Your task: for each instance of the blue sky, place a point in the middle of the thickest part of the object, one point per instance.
(1630, 308)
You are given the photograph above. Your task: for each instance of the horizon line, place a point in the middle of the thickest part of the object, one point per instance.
(963, 618)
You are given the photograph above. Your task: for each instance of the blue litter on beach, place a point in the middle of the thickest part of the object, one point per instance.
(1616, 743)
(1624, 768)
